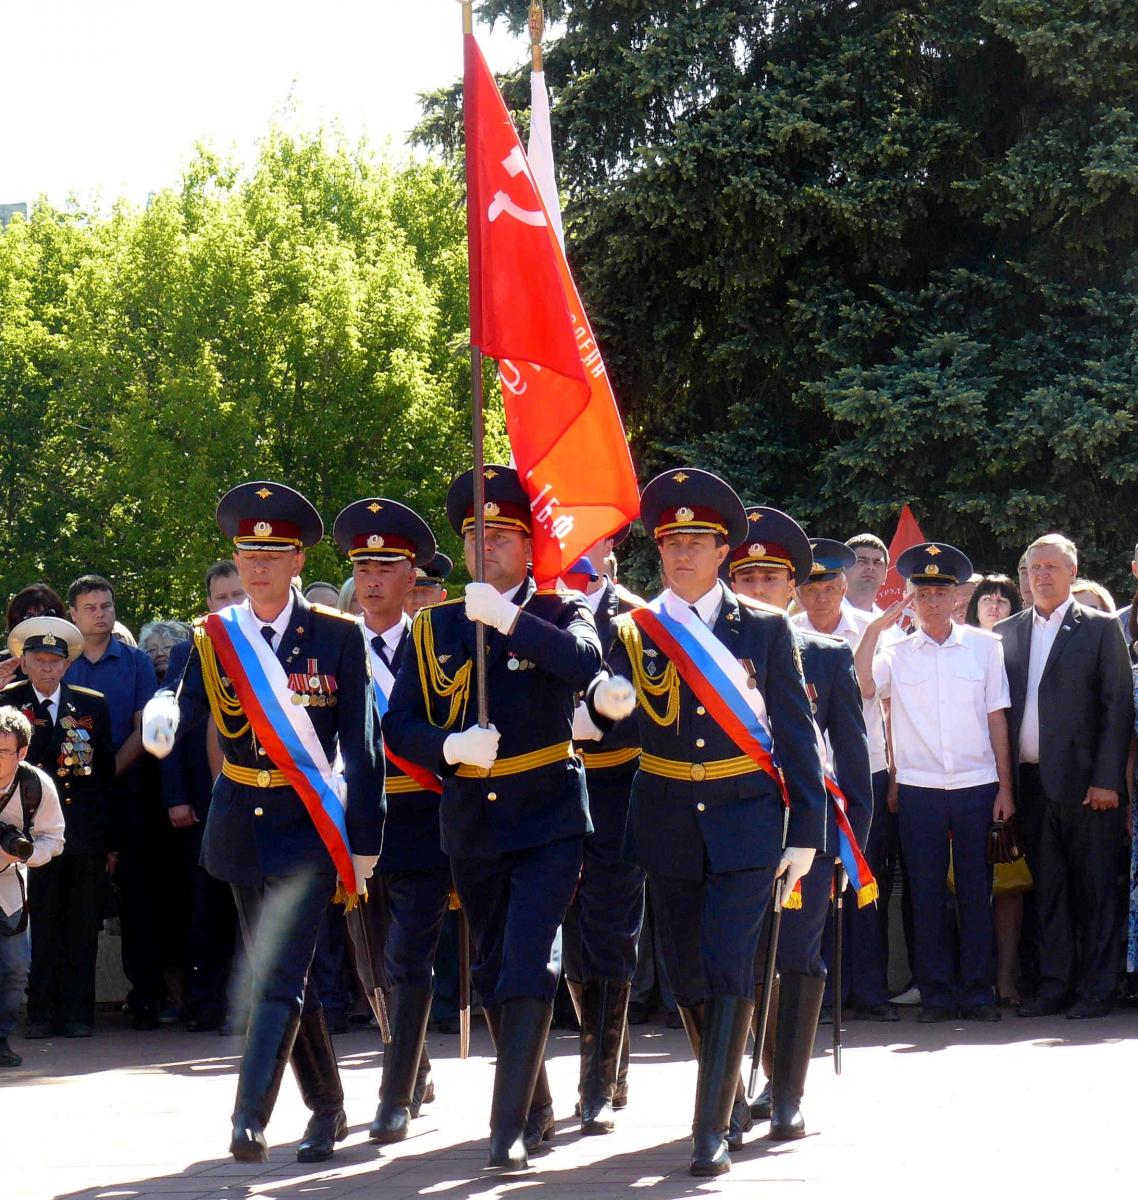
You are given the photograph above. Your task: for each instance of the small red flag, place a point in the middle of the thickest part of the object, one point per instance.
(565, 432)
(908, 534)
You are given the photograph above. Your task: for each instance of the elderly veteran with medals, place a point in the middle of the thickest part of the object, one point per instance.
(287, 686)
(514, 812)
(718, 691)
(775, 558)
(387, 545)
(71, 743)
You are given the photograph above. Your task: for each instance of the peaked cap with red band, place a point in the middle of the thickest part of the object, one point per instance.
(264, 515)
(773, 539)
(381, 530)
(507, 505)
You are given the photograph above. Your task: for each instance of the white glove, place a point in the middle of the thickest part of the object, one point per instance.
(476, 747)
(486, 604)
(364, 865)
(614, 698)
(795, 861)
(583, 728)
(160, 719)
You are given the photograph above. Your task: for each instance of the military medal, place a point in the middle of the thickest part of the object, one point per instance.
(512, 664)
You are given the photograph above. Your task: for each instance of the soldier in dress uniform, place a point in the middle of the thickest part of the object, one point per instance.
(287, 686)
(603, 922)
(430, 583)
(71, 742)
(775, 556)
(387, 544)
(514, 811)
(713, 679)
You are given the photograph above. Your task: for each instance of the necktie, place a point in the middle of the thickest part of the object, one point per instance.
(380, 647)
(44, 708)
(267, 632)
(696, 611)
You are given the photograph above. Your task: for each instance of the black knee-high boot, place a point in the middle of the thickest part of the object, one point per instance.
(318, 1076)
(520, 1028)
(268, 1044)
(727, 1020)
(799, 1002)
(410, 1012)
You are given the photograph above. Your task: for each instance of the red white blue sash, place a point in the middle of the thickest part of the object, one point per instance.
(382, 681)
(284, 729)
(718, 679)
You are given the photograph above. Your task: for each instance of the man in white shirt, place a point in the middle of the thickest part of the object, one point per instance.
(826, 610)
(865, 576)
(949, 696)
(45, 832)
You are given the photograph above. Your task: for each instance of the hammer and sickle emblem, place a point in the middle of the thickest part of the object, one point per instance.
(515, 165)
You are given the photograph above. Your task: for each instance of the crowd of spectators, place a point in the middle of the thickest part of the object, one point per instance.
(994, 699)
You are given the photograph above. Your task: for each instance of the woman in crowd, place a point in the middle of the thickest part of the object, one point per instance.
(995, 598)
(1093, 595)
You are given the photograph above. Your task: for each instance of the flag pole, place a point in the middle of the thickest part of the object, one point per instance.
(536, 32)
(478, 434)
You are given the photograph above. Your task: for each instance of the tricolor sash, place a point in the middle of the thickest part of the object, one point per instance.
(861, 877)
(284, 729)
(718, 679)
(382, 681)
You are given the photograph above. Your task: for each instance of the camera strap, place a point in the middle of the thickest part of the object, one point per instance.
(15, 923)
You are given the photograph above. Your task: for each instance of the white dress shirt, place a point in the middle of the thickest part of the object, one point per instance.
(47, 833)
(279, 623)
(941, 695)
(593, 599)
(708, 605)
(1044, 630)
(851, 625)
(53, 700)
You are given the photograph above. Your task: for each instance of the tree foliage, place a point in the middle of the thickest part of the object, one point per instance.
(861, 254)
(305, 322)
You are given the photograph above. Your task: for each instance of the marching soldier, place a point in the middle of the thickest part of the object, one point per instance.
(514, 811)
(603, 922)
(287, 686)
(71, 742)
(776, 556)
(387, 544)
(713, 679)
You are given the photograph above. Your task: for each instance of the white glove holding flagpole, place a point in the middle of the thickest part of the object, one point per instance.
(614, 698)
(476, 747)
(364, 865)
(486, 604)
(160, 719)
(795, 861)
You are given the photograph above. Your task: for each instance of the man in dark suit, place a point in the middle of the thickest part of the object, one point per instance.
(71, 742)
(284, 824)
(1070, 724)
(706, 818)
(513, 812)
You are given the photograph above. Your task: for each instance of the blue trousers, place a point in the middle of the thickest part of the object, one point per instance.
(928, 817)
(15, 954)
(709, 930)
(603, 922)
(515, 903)
(416, 905)
(865, 981)
(329, 973)
(800, 948)
(280, 920)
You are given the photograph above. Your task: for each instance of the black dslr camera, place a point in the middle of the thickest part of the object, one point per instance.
(15, 842)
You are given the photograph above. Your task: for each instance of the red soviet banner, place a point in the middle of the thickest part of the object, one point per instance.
(908, 535)
(565, 432)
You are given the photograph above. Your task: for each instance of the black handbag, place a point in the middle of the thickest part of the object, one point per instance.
(1003, 847)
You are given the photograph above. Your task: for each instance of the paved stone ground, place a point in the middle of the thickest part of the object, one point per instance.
(1024, 1108)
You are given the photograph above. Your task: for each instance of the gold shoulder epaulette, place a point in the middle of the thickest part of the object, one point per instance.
(627, 597)
(325, 611)
(444, 603)
(86, 691)
(554, 591)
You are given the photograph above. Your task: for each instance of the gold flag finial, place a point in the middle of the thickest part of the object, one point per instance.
(467, 16)
(536, 31)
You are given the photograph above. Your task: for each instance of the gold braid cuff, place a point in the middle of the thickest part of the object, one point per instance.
(667, 685)
(434, 681)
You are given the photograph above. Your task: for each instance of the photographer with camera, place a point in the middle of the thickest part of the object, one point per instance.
(31, 833)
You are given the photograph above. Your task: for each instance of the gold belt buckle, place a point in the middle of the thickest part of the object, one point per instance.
(263, 778)
(698, 772)
(483, 772)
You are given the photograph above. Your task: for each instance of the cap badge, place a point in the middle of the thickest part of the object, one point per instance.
(680, 477)
(685, 514)
(374, 541)
(932, 569)
(491, 509)
(264, 493)
(262, 529)
(490, 473)
(373, 507)
(933, 550)
(757, 549)
(49, 639)
(755, 516)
